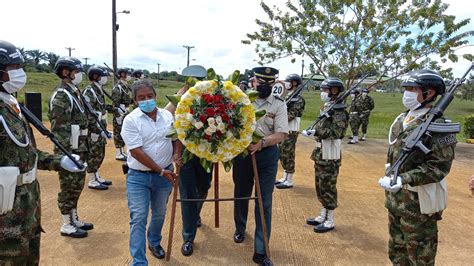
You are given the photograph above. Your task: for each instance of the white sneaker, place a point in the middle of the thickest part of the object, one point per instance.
(282, 179)
(94, 184)
(68, 228)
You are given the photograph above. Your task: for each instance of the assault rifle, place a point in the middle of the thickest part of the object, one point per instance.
(32, 119)
(423, 131)
(329, 109)
(106, 93)
(298, 90)
(91, 111)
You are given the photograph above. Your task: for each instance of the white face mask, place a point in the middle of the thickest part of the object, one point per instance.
(77, 78)
(17, 80)
(410, 100)
(364, 94)
(353, 96)
(103, 80)
(128, 78)
(325, 97)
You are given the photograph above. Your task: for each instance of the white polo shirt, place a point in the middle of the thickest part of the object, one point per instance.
(139, 130)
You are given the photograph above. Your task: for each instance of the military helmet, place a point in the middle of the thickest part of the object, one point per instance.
(123, 70)
(293, 77)
(9, 54)
(331, 82)
(97, 70)
(365, 90)
(137, 73)
(67, 62)
(425, 79)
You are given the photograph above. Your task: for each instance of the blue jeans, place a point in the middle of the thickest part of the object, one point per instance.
(146, 191)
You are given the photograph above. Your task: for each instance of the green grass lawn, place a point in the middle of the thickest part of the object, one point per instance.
(387, 105)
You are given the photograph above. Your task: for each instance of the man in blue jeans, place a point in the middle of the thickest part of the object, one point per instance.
(150, 176)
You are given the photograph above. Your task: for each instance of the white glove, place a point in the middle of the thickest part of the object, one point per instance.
(384, 182)
(68, 165)
(308, 133)
(102, 133)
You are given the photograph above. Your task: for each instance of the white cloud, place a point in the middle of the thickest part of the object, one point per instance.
(154, 31)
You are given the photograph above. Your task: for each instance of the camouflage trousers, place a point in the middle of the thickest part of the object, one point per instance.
(326, 172)
(71, 185)
(287, 152)
(413, 239)
(20, 228)
(96, 154)
(355, 121)
(118, 141)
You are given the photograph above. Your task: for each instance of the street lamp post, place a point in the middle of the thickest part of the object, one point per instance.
(158, 74)
(189, 48)
(70, 49)
(115, 28)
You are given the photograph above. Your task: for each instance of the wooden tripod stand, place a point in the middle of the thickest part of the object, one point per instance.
(216, 201)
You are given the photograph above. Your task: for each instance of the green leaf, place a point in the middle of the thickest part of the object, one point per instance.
(256, 137)
(252, 94)
(207, 165)
(211, 74)
(190, 81)
(185, 156)
(234, 78)
(260, 113)
(228, 165)
(174, 99)
(172, 134)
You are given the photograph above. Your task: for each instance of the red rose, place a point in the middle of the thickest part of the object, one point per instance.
(230, 106)
(220, 107)
(191, 111)
(210, 111)
(207, 98)
(219, 134)
(207, 137)
(225, 117)
(217, 98)
(230, 126)
(203, 118)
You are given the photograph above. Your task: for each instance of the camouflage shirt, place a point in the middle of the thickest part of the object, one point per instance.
(295, 108)
(96, 98)
(121, 94)
(66, 109)
(360, 104)
(333, 127)
(20, 224)
(418, 169)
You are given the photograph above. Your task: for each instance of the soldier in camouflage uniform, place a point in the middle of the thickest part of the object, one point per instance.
(361, 106)
(327, 154)
(415, 203)
(295, 108)
(20, 213)
(70, 122)
(121, 99)
(137, 74)
(95, 96)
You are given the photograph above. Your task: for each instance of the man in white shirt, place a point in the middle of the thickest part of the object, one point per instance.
(150, 176)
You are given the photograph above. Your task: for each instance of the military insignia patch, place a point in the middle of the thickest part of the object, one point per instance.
(447, 139)
(268, 70)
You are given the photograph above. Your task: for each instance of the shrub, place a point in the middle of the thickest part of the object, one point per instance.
(469, 126)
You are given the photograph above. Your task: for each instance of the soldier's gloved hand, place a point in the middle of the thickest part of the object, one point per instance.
(107, 135)
(68, 165)
(308, 133)
(385, 181)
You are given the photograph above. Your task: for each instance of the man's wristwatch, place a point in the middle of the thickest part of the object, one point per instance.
(264, 140)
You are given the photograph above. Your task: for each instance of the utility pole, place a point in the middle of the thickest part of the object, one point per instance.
(189, 48)
(114, 39)
(85, 59)
(70, 49)
(158, 74)
(302, 68)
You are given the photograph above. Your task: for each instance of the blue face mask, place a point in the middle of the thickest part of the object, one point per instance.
(147, 106)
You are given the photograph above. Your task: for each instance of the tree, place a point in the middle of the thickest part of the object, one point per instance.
(36, 56)
(52, 58)
(466, 91)
(348, 37)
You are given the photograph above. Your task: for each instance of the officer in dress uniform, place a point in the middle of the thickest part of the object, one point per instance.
(295, 108)
(121, 99)
(20, 210)
(95, 96)
(327, 154)
(415, 203)
(274, 127)
(69, 123)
